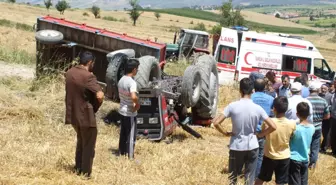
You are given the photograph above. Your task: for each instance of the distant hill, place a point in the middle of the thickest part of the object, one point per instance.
(120, 4)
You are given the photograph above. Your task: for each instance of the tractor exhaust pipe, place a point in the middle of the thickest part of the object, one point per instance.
(175, 37)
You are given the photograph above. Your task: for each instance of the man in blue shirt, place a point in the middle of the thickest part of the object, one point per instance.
(266, 102)
(284, 90)
(305, 90)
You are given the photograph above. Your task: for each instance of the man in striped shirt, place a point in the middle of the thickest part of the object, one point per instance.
(320, 112)
(129, 105)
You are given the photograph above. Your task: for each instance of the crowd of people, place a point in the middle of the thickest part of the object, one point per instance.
(276, 125)
(277, 128)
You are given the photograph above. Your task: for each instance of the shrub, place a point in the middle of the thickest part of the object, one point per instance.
(191, 22)
(86, 14)
(110, 18)
(123, 20)
(199, 26)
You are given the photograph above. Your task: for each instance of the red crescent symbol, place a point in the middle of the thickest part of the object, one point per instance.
(246, 55)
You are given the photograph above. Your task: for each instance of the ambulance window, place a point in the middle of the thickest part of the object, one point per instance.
(296, 64)
(227, 55)
(321, 69)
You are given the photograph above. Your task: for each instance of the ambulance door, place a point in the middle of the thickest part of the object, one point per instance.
(226, 55)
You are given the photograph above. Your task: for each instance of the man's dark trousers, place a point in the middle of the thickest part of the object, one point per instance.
(333, 135)
(128, 131)
(85, 149)
(325, 133)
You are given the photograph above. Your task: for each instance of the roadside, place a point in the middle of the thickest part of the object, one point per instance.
(16, 70)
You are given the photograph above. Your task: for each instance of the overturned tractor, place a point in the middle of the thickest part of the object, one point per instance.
(164, 98)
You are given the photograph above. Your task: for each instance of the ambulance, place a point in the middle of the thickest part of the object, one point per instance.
(238, 53)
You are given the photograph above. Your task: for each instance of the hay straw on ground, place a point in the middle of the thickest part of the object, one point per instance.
(41, 150)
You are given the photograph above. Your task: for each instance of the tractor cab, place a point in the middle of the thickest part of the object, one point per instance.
(189, 42)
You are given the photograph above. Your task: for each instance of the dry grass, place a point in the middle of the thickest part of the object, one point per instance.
(37, 148)
(147, 25)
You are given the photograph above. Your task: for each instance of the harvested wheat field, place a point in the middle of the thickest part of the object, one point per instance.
(147, 26)
(37, 148)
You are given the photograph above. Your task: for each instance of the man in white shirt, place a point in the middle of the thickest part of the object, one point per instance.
(296, 98)
(129, 105)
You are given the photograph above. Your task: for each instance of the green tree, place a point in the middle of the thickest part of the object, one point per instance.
(229, 17)
(277, 15)
(61, 6)
(95, 10)
(48, 4)
(157, 15)
(134, 11)
(11, 1)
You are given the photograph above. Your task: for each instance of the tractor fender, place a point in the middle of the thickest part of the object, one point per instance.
(200, 50)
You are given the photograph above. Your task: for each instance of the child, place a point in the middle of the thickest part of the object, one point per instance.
(276, 152)
(300, 146)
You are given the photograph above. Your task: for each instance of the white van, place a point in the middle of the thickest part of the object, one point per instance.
(240, 53)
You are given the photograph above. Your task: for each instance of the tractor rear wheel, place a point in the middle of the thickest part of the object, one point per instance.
(206, 107)
(149, 70)
(193, 58)
(116, 70)
(191, 86)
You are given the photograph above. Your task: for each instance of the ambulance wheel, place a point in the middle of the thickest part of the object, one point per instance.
(115, 70)
(49, 36)
(206, 107)
(148, 71)
(191, 86)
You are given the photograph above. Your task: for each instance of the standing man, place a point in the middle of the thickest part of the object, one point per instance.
(320, 112)
(332, 88)
(266, 102)
(129, 105)
(245, 116)
(271, 76)
(333, 123)
(325, 123)
(305, 85)
(284, 90)
(293, 101)
(83, 99)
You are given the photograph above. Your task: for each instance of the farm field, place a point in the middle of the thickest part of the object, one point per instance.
(321, 22)
(293, 8)
(260, 25)
(37, 148)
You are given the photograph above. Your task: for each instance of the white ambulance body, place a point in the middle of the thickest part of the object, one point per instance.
(240, 53)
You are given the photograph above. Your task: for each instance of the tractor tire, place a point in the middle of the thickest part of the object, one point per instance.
(49, 36)
(191, 86)
(115, 70)
(206, 107)
(193, 58)
(148, 71)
